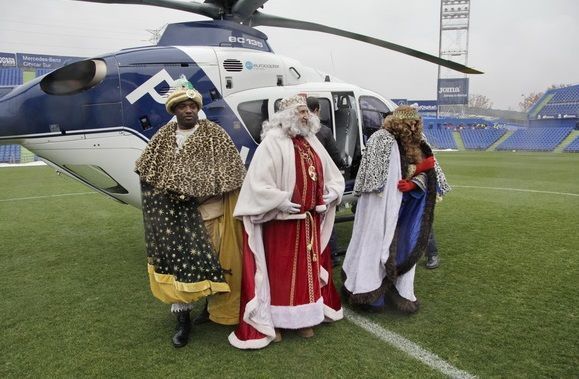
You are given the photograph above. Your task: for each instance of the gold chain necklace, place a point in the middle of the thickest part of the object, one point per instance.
(307, 159)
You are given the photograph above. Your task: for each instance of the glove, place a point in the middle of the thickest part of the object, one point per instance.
(406, 185)
(288, 207)
(425, 165)
(329, 197)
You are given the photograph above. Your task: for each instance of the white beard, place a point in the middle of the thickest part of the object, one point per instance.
(310, 128)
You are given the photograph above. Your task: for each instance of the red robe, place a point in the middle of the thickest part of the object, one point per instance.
(296, 267)
(292, 249)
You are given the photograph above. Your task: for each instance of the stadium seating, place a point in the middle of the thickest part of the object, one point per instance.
(440, 138)
(557, 103)
(567, 94)
(573, 147)
(560, 110)
(455, 122)
(43, 71)
(535, 139)
(11, 77)
(480, 139)
(9, 153)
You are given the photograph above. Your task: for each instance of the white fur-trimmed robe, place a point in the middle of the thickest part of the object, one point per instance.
(270, 180)
(373, 230)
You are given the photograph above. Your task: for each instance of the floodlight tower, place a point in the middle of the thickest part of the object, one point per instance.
(156, 34)
(452, 88)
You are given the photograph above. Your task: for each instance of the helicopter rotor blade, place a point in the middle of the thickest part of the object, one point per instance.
(262, 19)
(244, 9)
(203, 9)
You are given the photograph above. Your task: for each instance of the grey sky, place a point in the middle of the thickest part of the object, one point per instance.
(522, 45)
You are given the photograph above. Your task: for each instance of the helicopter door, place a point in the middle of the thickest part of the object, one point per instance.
(346, 132)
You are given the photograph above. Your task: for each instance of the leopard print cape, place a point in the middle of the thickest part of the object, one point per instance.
(208, 164)
(373, 169)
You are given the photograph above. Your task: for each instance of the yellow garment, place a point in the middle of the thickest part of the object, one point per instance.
(210, 209)
(227, 238)
(166, 289)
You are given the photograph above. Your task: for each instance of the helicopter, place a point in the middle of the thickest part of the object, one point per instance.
(92, 118)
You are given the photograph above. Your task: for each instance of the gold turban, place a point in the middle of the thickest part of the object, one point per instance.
(183, 90)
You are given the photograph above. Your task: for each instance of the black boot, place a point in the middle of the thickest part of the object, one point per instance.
(183, 329)
(203, 317)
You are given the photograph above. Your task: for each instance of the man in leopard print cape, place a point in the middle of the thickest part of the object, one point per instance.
(190, 176)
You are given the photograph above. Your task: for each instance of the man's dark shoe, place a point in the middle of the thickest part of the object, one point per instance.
(432, 262)
(335, 261)
(183, 329)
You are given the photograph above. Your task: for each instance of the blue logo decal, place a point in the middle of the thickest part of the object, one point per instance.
(249, 65)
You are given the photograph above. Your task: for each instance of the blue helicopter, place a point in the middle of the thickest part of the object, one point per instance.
(91, 119)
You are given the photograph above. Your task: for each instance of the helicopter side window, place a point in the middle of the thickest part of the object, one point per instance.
(346, 125)
(347, 139)
(253, 114)
(373, 111)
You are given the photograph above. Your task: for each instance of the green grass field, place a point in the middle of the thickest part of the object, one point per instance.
(503, 303)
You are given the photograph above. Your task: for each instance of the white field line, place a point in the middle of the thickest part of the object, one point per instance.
(519, 190)
(407, 346)
(47, 196)
(29, 164)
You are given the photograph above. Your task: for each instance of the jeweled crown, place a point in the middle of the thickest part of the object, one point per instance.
(291, 102)
(406, 112)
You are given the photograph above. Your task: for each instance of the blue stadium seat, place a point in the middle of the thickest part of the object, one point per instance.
(11, 77)
(9, 153)
(557, 103)
(480, 139)
(440, 138)
(535, 139)
(567, 94)
(573, 147)
(43, 71)
(560, 110)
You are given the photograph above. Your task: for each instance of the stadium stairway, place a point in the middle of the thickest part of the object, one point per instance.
(458, 140)
(26, 156)
(493, 147)
(566, 141)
